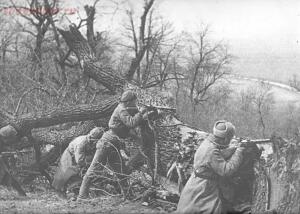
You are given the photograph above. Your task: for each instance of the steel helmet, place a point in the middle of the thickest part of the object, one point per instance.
(128, 96)
(8, 131)
(96, 132)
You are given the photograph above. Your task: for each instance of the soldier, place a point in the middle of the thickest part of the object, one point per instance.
(73, 159)
(109, 146)
(201, 193)
(8, 134)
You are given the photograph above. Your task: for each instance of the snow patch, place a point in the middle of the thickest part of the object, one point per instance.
(48, 147)
(185, 130)
(267, 150)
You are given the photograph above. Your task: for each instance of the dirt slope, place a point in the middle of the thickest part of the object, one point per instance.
(47, 202)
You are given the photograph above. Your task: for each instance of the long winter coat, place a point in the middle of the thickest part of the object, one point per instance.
(72, 159)
(201, 193)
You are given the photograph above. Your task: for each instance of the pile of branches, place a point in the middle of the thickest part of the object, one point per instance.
(278, 179)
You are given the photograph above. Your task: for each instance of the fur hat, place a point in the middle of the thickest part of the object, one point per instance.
(223, 129)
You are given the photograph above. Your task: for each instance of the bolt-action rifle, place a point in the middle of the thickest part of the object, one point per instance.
(151, 107)
(226, 153)
(8, 154)
(255, 141)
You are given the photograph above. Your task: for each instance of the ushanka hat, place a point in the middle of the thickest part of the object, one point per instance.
(223, 129)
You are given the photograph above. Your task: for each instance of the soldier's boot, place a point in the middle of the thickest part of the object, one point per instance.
(99, 156)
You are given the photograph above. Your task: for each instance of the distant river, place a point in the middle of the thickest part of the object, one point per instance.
(283, 94)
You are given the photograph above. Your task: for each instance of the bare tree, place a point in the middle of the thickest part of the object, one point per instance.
(141, 42)
(37, 13)
(206, 63)
(263, 102)
(8, 36)
(295, 82)
(152, 45)
(257, 100)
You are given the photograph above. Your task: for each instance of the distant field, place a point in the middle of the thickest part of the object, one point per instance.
(270, 67)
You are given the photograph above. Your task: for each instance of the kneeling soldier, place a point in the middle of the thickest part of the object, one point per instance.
(109, 146)
(73, 159)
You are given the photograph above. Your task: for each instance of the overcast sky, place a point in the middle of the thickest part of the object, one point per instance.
(269, 25)
(265, 34)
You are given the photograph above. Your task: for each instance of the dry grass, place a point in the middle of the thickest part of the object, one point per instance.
(47, 202)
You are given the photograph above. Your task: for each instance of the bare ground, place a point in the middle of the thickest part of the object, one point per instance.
(47, 201)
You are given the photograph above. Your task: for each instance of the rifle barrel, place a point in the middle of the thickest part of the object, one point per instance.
(257, 141)
(159, 107)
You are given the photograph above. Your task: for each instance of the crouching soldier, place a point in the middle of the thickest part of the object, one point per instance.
(73, 159)
(201, 193)
(109, 146)
(8, 135)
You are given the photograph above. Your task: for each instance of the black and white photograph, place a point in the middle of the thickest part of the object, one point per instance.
(150, 106)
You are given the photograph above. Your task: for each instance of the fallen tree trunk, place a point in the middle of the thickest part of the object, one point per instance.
(101, 74)
(60, 140)
(26, 123)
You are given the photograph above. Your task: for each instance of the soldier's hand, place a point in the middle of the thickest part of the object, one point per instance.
(124, 155)
(143, 110)
(244, 143)
(146, 115)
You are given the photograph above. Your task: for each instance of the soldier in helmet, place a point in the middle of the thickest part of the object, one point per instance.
(73, 159)
(109, 146)
(8, 134)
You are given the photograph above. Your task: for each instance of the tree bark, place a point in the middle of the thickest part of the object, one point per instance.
(26, 123)
(60, 140)
(282, 179)
(90, 13)
(101, 74)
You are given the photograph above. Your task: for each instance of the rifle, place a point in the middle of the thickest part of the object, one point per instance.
(13, 154)
(157, 107)
(153, 110)
(8, 154)
(151, 107)
(256, 141)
